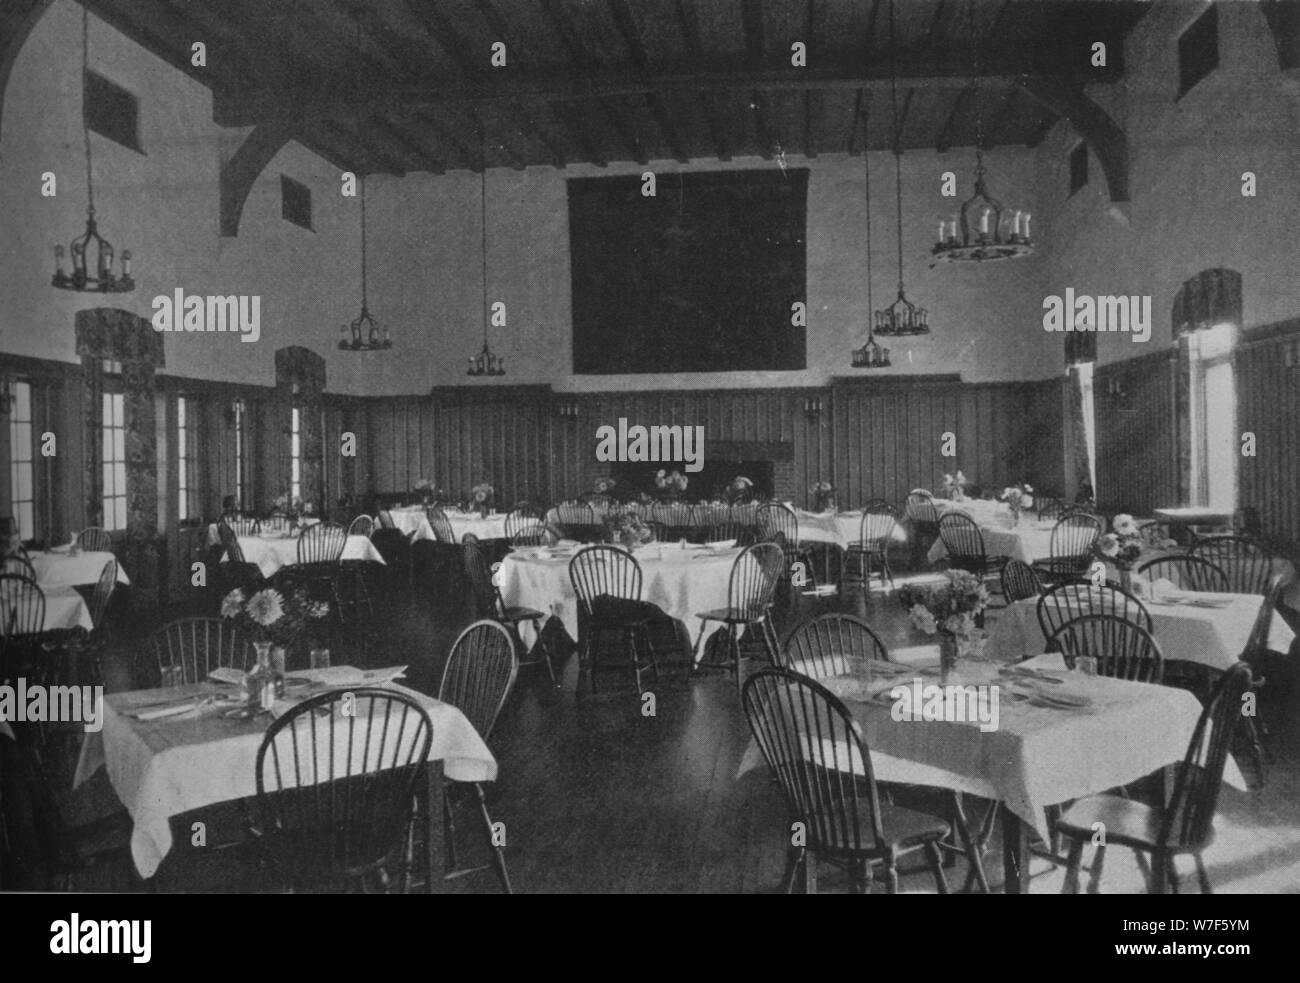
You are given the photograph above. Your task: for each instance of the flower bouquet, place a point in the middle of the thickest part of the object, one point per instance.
(480, 498)
(627, 529)
(955, 486)
(604, 486)
(823, 493)
(275, 622)
(1018, 498)
(428, 491)
(739, 491)
(951, 610)
(1126, 544)
(671, 485)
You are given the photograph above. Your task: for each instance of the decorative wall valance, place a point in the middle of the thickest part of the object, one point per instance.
(1209, 298)
(119, 336)
(299, 371)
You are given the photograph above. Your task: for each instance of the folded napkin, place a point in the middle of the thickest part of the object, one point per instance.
(157, 713)
(721, 544)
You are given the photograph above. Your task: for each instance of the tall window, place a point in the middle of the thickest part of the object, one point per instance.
(241, 492)
(114, 461)
(22, 488)
(295, 455)
(187, 505)
(1215, 441)
(1089, 418)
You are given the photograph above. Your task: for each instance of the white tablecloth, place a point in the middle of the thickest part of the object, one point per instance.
(683, 582)
(840, 528)
(166, 767)
(214, 535)
(413, 522)
(272, 553)
(58, 568)
(1213, 637)
(65, 609)
(1032, 759)
(1028, 540)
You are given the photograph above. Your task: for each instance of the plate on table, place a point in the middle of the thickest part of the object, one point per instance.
(1209, 600)
(1062, 699)
(857, 689)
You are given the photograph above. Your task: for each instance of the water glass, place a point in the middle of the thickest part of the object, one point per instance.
(320, 658)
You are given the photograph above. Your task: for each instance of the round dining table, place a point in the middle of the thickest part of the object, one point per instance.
(683, 581)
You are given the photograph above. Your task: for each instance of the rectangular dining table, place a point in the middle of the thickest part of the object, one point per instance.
(1209, 629)
(61, 567)
(166, 767)
(65, 609)
(1032, 760)
(271, 552)
(1028, 540)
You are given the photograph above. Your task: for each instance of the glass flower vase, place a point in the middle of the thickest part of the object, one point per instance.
(258, 689)
(947, 655)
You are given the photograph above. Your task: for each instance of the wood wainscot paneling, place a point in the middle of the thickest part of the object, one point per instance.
(1267, 373)
(1138, 434)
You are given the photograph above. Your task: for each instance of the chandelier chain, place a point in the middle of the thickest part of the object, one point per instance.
(898, 147)
(483, 222)
(363, 243)
(85, 128)
(975, 92)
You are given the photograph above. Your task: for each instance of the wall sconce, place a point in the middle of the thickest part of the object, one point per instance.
(566, 411)
(1116, 389)
(812, 408)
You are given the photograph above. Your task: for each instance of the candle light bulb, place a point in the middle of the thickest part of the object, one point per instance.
(58, 259)
(1026, 225)
(126, 262)
(984, 222)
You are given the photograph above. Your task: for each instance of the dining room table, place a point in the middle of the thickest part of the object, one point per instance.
(271, 552)
(1207, 628)
(683, 580)
(1027, 539)
(414, 523)
(172, 751)
(66, 566)
(1029, 759)
(841, 529)
(65, 609)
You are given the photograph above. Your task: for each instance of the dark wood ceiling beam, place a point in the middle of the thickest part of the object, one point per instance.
(449, 134)
(1283, 19)
(366, 158)
(751, 15)
(997, 131)
(1104, 136)
(583, 61)
(10, 47)
(155, 33)
(526, 122)
(579, 134)
(385, 133)
(688, 24)
(860, 103)
(902, 121)
(766, 142)
(944, 140)
(486, 135)
(334, 97)
(626, 25)
(445, 35)
(240, 172)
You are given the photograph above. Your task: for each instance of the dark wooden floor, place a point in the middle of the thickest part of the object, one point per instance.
(598, 798)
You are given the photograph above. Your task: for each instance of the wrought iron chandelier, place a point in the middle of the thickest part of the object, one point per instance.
(104, 280)
(872, 355)
(988, 230)
(902, 317)
(364, 334)
(485, 363)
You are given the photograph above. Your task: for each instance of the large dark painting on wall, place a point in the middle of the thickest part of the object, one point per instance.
(701, 277)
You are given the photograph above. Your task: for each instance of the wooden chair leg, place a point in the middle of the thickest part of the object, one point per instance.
(936, 864)
(891, 873)
(1098, 865)
(809, 873)
(794, 857)
(1206, 887)
(498, 851)
(1159, 873)
(449, 830)
(1071, 885)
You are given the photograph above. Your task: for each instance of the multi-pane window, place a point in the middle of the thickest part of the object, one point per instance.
(114, 460)
(22, 487)
(187, 504)
(295, 455)
(241, 492)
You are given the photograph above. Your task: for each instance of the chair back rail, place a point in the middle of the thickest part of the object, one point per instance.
(199, 645)
(1186, 572)
(335, 791)
(1065, 602)
(1019, 581)
(1122, 648)
(480, 673)
(832, 645)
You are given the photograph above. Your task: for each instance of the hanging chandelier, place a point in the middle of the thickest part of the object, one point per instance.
(902, 317)
(988, 231)
(365, 333)
(872, 355)
(485, 363)
(104, 280)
